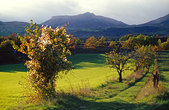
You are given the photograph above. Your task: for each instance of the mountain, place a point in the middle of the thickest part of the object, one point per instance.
(162, 21)
(84, 21)
(88, 24)
(7, 28)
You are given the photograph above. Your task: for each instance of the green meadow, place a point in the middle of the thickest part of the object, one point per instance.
(89, 71)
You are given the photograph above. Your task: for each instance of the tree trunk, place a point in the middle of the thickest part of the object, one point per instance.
(156, 79)
(156, 74)
(120, 77)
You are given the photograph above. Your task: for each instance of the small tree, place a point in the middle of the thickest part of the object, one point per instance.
(165, 45)
(5, 42)
(101, 42)
(144, 57)
(118, 60)
(46, 49)
(72, 44)
(113, 44)
(91, 42)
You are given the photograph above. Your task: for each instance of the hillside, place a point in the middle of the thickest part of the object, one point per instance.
(7, 28)
(162, 21)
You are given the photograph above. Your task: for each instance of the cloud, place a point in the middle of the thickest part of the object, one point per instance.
(38, 10)
(128, 11)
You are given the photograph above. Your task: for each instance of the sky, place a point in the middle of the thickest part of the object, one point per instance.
(127, 11)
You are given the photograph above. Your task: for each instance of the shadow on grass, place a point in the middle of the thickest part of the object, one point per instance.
(97, 60)
(164, 69)
(163, 61)
(13, 68)
(164, 79)
(75, 103)
(113, 88)
(164, 98)
(137, 80)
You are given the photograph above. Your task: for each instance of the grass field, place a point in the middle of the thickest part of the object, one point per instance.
(89, 71)
(163, 61)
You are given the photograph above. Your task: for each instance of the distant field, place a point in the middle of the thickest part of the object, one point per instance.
(89, 70)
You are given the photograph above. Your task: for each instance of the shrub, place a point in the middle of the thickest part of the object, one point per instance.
(46, 50)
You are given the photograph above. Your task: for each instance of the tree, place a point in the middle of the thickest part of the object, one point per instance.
(156, 75)
(91, 42)
(135, 42)
(72, 41)
(118, 60)
(144, 57)
(165, 45)
(126, 37)
(46, 49)
(5, 42)
(101, 42)
(72, 44)
(113, 44)
(7, 53)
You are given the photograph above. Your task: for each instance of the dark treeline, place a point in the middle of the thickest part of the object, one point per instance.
(88, 45)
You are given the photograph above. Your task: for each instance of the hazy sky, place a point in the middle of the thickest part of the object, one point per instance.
(127, 11)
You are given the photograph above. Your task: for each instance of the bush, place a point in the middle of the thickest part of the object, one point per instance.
(46, 49)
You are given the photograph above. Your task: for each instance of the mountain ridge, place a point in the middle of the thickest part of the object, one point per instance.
(88, 24)
(164, 21)
(85, 20)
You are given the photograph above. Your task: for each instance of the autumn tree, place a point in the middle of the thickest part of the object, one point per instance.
(126, 37)
(72, 43)
(118, 60)
(7, 53)
(46, 49)
(91, 42)
(113, 44)
(101, 42)
(144, 57)
(165, 45)
(5, 42)
(135, 42)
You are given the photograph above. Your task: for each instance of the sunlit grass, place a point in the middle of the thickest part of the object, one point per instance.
(89, 70)
(10, 89)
